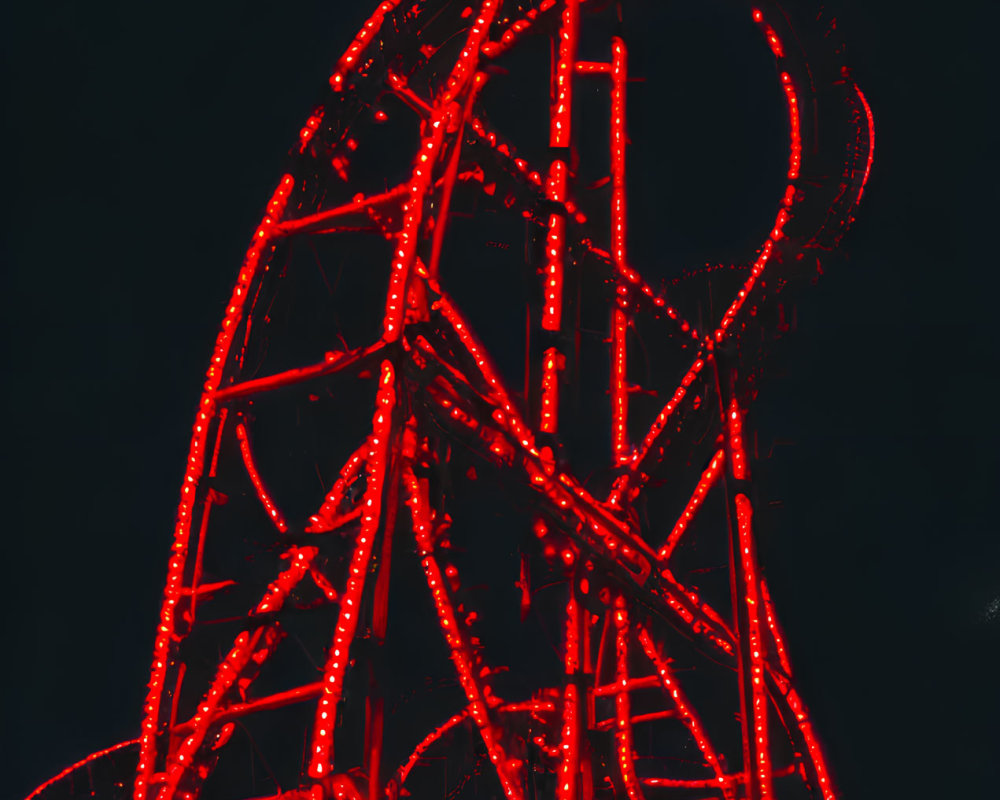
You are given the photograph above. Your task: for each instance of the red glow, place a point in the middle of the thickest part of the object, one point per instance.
(592, 67)
(758, 698)
(511, 34)
(164, 644)
(734, 419)
(437, 385)
(258, 485)
(687, 713)
(321, 755)
(772, 625)
(708, 478)
(551, 365)
(871, 140)
(795, 156)
(559, 132)
(623, 714)
(566, 783)
(301, 562)
(349, 60)
(326, 518)
(619, 323)
(81, 763)
(555, 189)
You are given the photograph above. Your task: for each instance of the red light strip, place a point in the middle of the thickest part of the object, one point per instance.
(321, 755)
(687, 713)
(490, 138)
(555, 244)
(323, 584)
(278, 700)
(794, 701)
(608, 724)
(333, 363)
(343, 789)
(515, 29)
(420, 182)
(465, 66)
(592, 67)
(81, 763)
(619, 76)
(772, 38)
(249, 647)
(871, 140)
(772, 625)
(735, 422)
(561, 113)
(619, 391)
(657, 428)
(533, 706)
(722, 638)
(258, 484)
(326, 518)
(419, 512)
(478, 354)
(569, 766)
(277, 592)
(407, 238)
(812, 743)
(403, 772)
(623, 712)
(447, 183)
(619, 324)
(163, 644)
(349, 60)
(318, 223)
(460, 657)
(673, 783)
(758, 698)
(478, 708)
(420, 516)
(551, 364)
(645, 682)
(707, 480)
(795, 155)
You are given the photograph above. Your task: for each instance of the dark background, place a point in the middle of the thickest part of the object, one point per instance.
(142, 141)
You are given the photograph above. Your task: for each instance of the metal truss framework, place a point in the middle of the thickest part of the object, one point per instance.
(436, 386)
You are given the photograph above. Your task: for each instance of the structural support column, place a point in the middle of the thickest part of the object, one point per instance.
(745, 587)
(619, 321)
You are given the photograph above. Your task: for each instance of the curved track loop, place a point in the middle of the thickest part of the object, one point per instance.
(648, 673)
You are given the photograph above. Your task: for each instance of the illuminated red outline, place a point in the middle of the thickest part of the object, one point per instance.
(321, 753)
(758, 697)
(623, 715)
(619, 323)
(708, 478)
(559, 133)
(592, 526)
(686, 711)
(258, 484)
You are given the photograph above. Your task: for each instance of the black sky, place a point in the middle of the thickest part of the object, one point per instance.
(142, 141)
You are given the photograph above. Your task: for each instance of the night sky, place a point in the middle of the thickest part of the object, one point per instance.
(143, 141)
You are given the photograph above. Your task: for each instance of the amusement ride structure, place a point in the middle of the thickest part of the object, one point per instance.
(479, 522)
